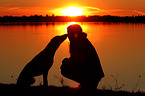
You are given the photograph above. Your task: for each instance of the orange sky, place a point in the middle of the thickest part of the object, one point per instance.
(91, 7)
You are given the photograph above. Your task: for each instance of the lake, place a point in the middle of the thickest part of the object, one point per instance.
(120, 46)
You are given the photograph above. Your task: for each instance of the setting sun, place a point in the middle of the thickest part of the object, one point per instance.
(72, 11)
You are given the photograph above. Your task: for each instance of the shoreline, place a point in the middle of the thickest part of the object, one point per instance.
(95, 18)
(53, 23)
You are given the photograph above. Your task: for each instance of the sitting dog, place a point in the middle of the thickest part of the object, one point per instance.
(40, 64)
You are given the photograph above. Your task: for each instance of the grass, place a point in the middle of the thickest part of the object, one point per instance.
(13, 90)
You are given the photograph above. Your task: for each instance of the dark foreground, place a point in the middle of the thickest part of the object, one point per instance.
(13, 90)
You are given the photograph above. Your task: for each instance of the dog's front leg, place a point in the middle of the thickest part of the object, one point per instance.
(45, 82)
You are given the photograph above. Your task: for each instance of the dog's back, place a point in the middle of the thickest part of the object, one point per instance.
(41, 63)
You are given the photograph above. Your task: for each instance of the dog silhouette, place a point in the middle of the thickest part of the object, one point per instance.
(40, 64)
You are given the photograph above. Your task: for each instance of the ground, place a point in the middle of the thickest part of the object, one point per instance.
(13, 90)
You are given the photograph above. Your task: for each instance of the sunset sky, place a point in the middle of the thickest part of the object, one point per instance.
(89, 7)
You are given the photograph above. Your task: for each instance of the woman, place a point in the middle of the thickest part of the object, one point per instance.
(83, 66)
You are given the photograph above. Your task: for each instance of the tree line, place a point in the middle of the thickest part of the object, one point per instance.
(95, 18)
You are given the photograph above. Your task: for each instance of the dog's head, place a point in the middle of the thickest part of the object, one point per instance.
(57, 40)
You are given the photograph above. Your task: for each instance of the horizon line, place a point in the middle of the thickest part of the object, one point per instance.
(53, 15)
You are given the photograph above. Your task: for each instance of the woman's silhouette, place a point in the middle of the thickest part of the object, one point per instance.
(83, 66)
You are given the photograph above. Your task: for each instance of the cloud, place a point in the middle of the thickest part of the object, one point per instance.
(9, 9)
(126, 12)
(95, 8)
(123, 12)
(12, 8)
(5, 4)
(142, 13)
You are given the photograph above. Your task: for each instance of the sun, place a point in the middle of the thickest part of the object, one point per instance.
(72, 11)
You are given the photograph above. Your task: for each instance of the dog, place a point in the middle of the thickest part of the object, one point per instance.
(40, 64)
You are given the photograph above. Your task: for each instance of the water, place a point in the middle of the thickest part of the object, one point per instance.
(120, 47)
